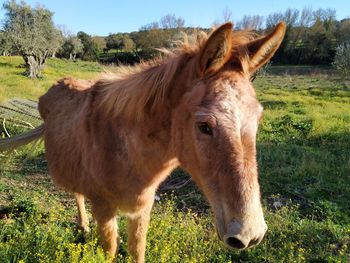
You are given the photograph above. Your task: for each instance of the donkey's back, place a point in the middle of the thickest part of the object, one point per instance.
(86, 150)
(63, 109)
(65, 97)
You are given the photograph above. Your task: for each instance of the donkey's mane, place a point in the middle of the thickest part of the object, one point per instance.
(135, 91)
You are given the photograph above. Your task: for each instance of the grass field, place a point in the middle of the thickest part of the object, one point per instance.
(304, 164)
(14, 84)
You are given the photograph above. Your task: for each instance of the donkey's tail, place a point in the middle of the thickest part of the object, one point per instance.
(14, 142)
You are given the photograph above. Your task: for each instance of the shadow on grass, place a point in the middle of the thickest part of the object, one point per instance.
(313, 172)
(273, 104)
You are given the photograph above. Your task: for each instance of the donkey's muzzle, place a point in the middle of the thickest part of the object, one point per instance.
(241, 238)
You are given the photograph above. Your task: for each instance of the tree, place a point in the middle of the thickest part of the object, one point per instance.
(128, 43)
(71, 47)
(32, 33)
(342, 59)
(113, 41)
(291, 17)
(273, 19)
(251, 23)
(5, 44)
(226, 17)
(343, 31)
(90, 49)
(119, 42)
(100, 42)
(306, 17)
(158, 34)
(153, 38)
(57, 42)
(171, 21)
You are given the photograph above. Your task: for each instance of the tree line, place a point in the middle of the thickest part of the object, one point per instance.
(312, 37)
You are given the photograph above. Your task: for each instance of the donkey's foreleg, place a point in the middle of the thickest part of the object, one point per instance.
(83, 220)
(137, 232)
(107, 227)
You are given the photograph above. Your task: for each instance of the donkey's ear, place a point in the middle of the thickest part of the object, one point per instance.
(217, 50)
(262, 49)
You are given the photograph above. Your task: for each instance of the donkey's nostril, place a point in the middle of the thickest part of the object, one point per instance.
(234, 243)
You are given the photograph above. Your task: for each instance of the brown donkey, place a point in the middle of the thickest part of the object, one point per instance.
(115, 140)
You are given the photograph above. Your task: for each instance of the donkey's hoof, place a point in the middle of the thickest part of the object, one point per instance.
(84, 228)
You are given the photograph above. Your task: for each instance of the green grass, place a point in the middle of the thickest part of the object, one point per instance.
(14, 84)
(304, 163)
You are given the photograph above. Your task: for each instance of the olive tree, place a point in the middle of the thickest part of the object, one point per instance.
(71, 47)
(5, 44)
(90, 48)
(32, 33)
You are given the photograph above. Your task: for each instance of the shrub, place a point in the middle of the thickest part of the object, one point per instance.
(342, 59)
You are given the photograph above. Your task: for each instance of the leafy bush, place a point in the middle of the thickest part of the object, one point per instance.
(342, 59)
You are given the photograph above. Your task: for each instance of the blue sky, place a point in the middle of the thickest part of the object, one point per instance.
(106, 16)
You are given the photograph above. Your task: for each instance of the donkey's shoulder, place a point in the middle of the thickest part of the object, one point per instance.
(75, 84)
(67, 93)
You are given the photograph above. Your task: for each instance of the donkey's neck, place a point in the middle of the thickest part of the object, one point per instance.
(141, 104)
(142, 91)
(150, 146)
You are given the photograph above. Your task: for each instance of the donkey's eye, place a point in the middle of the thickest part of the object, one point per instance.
(204, 128)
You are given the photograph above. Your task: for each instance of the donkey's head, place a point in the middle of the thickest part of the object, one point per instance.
(215, 128)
